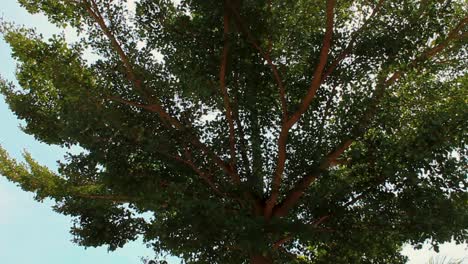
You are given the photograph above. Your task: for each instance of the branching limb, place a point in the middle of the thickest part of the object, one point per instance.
(296, 193)
(317, 76)
(155, 106)
(205, 177)
(283, 137)
(266, 56)
(194, 141)
(281, 241)
(224, 92)
(320, 220)
(351, 43)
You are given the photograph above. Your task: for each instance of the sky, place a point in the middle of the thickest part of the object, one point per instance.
(31, 232)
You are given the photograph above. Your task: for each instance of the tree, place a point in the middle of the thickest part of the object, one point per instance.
(251, 131)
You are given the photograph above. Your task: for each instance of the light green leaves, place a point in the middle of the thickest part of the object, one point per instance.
(32, 177)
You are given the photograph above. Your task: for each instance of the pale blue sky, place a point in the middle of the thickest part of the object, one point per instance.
(30, 232)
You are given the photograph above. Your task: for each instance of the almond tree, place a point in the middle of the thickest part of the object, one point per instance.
(261, 131)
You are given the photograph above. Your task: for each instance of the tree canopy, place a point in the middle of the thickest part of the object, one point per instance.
(244, 131)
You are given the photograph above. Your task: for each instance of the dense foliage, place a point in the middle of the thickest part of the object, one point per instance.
(256, 131)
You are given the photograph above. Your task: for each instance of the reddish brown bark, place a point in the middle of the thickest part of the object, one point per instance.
(354, 36)
(319, 74)
(296, 193)
(154, 105)
(260, 259)
(315, 84)
(224, 92)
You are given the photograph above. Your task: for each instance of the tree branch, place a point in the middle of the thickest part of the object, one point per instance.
(351, 43)
(296, 193)
(266, 56)
(282, 140)
(281, 241)
(222, 81)
(208, 180)
(317, 77)
(155, 106)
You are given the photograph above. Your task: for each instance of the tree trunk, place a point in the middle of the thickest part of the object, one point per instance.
(260, 259)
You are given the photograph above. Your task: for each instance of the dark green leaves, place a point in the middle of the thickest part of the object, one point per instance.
(378, 158)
